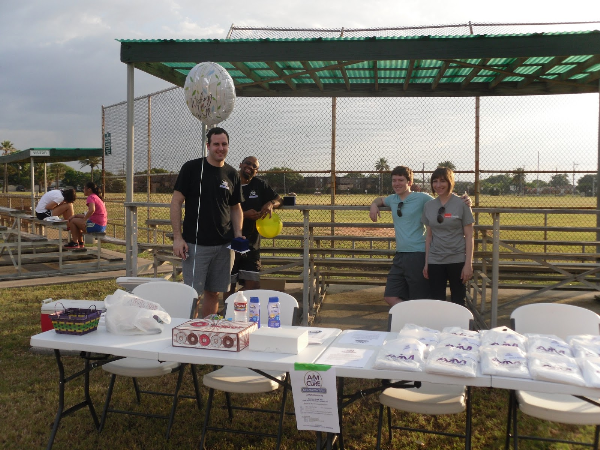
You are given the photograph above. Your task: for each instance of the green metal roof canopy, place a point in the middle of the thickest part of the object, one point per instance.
(47, 155)
(415, 66)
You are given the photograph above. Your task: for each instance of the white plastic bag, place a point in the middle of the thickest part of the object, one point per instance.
(427, 336)
(128, 314)
(401, 354)
(590, 368)
(458, 331)
(503, 337)
(584, 345)
(560, 369)
(548, 344)
(504, 361)
(448, 361)
(461, 343)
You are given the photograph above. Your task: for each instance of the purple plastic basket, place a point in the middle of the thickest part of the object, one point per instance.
(76, 321)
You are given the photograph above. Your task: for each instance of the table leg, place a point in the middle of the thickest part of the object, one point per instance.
(63, 380)
(340, 411)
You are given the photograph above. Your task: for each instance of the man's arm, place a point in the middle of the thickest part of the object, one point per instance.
(270, 206)
(428, 238)
(467, 271)
(237, 218)
(180, 247)
(374, 209)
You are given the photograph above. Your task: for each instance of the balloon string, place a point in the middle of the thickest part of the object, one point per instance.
(197, 226)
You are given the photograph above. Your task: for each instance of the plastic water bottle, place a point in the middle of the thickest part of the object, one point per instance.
(273, 310)
(240, 308)
(254, 311)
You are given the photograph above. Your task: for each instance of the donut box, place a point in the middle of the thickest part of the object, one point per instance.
(213, 334)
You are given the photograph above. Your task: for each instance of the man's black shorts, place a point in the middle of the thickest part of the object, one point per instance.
(246, 266)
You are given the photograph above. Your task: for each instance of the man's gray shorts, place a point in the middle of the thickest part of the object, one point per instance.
(405, 279)
(212, 270)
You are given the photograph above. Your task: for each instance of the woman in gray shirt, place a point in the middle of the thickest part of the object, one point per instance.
(449, 239)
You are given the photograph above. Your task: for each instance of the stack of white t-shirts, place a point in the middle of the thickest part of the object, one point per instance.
(584, 345)
(586, 350)
(458, 331)
(502, 353)
(503, 337)
(550, 359)
(401, 354)
(455, 354)
(427, 336)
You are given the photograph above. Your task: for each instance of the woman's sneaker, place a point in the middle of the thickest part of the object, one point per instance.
(81, 245)
(71, 245)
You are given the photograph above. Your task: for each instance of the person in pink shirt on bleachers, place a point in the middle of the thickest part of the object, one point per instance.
(93, 221)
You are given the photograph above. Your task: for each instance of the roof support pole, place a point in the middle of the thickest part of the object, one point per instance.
(32, 177)
(103, 154)
(598, 173)
(333, 169)
(130, 240)
(148, 176)
(477, 174)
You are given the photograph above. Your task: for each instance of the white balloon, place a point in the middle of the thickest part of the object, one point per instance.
(209, 93)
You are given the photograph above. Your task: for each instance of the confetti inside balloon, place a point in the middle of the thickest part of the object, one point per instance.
(209, 93)
(269, 227)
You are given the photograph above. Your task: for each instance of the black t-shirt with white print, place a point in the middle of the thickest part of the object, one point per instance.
(256, 193)
(221, 188)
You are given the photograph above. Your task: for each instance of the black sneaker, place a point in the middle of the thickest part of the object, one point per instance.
(81, 245)
(71, 245)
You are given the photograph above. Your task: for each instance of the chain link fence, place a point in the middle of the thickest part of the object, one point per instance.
(534, 151)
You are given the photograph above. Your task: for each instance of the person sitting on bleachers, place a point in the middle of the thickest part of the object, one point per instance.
(93, 221)
(56, 203)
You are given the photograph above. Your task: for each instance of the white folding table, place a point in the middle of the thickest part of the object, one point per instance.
(406, 379)
(156, 347)
(97, 342)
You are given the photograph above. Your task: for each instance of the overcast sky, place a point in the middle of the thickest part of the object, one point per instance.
(59, 61)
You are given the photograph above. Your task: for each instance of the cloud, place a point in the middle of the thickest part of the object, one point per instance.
(59, 61)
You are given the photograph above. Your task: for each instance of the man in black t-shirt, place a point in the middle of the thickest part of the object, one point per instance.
(259, 201)
(212, 193)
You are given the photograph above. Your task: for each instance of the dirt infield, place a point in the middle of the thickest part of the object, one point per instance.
(362, 307)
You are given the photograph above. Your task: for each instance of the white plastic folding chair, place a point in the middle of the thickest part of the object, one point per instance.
(560, 320)
(246, 381)
(430, 398)
(178, 300)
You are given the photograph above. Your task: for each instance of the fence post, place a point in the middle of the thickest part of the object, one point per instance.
(495, 266)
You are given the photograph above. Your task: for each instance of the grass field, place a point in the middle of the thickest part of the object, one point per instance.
(116, 214)
(29, 393)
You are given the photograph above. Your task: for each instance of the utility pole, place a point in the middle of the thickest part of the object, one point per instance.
(573, 188)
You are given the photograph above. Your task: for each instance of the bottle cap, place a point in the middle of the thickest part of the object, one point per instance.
(273, 299)
(254, 300)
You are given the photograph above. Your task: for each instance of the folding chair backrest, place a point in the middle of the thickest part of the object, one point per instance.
(177, 299)
(435, 314)
(287, 305)
(555, 318)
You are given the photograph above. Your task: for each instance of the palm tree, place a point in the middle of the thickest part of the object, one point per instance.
(93, 161)
(381, 165)
(7, 147)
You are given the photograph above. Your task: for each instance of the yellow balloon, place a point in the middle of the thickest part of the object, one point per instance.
(269, 227)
